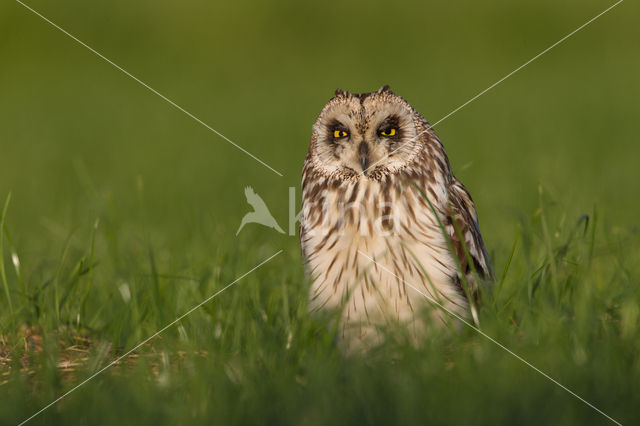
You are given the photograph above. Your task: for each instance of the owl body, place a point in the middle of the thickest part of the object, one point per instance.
(377, 194)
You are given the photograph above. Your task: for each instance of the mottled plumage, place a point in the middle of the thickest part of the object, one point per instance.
(371, 155)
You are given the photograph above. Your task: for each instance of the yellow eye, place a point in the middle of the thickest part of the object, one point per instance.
(338, 134)
(388, 132)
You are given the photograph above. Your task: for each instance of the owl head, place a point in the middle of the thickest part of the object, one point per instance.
(366, 134)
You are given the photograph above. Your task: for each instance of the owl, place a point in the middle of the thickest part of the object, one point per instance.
(388, 234)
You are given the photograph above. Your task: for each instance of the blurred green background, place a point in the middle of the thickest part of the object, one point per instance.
(80, 141)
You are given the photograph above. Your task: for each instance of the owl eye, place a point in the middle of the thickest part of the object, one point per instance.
(391, 131)
(339, 134)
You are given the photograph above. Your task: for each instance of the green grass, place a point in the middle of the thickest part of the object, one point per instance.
(121, 211)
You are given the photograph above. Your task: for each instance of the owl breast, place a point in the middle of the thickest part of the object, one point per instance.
(376, 254)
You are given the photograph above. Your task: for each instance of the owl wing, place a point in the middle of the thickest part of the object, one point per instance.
(463, 212)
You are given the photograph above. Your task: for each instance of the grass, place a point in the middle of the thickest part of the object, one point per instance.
(119, 212)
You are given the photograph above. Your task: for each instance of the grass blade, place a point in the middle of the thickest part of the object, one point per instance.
(3, 273)
(506, 269)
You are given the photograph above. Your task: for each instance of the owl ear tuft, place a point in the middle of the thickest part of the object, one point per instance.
(340, 92)
(384, 88)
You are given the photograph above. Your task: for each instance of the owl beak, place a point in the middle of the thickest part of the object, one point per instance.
(363, 153)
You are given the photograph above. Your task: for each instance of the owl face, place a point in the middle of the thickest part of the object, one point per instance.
(362, 135)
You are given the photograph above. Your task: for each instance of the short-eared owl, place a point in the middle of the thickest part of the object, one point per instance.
(373, 177)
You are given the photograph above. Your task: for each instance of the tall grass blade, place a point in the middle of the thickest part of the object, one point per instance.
(506, 268)
(548, 245)
(3, 273)
(90, 272)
